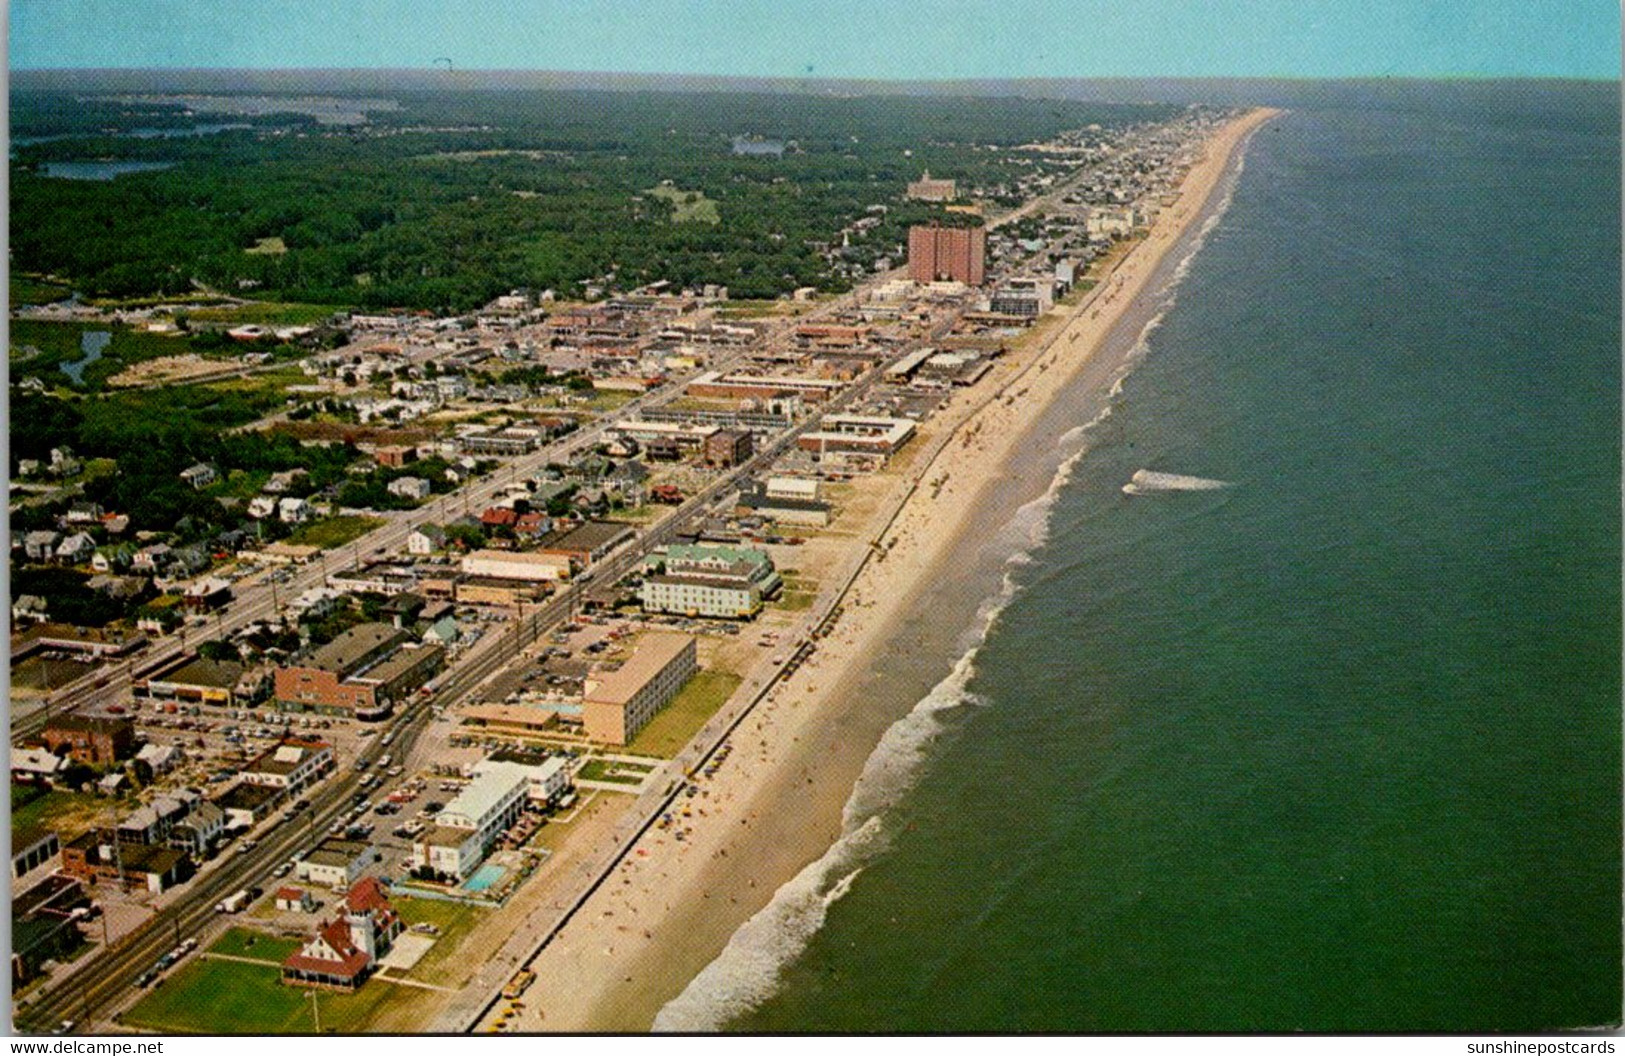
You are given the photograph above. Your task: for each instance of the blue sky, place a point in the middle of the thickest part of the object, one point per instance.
(889, 39)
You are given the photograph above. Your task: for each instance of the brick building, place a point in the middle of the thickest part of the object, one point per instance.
(938, 253)
(95, 740)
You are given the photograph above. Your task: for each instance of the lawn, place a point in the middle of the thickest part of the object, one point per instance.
(333, 531)
(691, 205)
(799, 592)
(612, 772)
(66, 813)
(441, 965)
(675, 726)
(246, 942)
(230, 997)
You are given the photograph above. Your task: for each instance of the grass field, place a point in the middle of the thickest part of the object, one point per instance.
(441, 965)
(246, 942)
(692, 206)
(668, 731)
(612, 772)
(799, 592)
(231, 997)
(66, 813)
(333, 531)
(266, 313)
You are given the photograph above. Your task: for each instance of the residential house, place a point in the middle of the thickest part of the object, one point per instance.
(294, 511)
(200, 475)
(426, 540)
(415, 488)
(41, 545)
(76, 548)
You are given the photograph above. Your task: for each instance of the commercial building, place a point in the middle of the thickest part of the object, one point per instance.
(32, 849)
(293, 765)
(336, 863)
(490, 590)
(95, 740)
(856, 441)
(196, 681)
(588, 543)
(762, 387)
(952, 253)
(362, 672)
(1026, 297)
(514, 564)
(96, 856)
(470, 825)
(720, 582)
(246, 803)
(619, 703)
(727, 448)
(805, 513)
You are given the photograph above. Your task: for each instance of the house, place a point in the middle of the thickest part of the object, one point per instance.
(36, 766)
(75, 548)
(344, 950)
(409, 488)
(30, 608)
(200, 476)
(426, 540)
(294, 511)
(160, 757)
(199, 832)
(41, 545)
(294, 900)
(151, 558)
(443, 632)
(151, 825)
(84, 513)
(261, 507)
(281, 482)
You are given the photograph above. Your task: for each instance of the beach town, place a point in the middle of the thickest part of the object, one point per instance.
(511, 725)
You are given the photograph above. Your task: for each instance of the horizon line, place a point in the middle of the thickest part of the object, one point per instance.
(810, 80)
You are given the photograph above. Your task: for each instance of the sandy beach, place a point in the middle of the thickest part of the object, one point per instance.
(776, 804)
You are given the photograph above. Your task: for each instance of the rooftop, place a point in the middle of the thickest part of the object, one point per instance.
(654, 651)
(356, 646)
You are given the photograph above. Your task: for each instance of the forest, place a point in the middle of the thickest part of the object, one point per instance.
(458, 196)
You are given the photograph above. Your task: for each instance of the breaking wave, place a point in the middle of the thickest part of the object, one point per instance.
(1147, 481)
(748, 970)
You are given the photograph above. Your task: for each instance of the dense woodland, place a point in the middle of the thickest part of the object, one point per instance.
(412, 210)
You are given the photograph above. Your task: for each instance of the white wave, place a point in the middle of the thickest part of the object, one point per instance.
(1147, 481)
(747, 971)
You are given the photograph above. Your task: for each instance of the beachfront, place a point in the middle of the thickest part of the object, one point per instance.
(776, 805)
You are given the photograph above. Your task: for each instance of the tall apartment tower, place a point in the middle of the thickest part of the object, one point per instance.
(937, 253)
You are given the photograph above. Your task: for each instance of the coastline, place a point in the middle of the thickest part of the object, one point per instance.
(783, 799)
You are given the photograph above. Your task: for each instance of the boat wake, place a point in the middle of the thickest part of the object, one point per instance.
(1148, 482)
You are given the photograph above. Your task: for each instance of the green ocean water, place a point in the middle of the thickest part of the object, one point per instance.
(1335, 747)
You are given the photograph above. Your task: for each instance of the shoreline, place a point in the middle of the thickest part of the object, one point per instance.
(672, 907)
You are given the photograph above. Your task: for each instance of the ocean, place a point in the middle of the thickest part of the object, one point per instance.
(1326, 737)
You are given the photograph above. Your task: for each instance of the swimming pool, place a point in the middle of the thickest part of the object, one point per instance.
(484, 877)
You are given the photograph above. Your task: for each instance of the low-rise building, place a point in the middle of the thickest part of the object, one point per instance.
(197, 681)
(515, 564)
(336, 863)
(363, 673)
(344, 951)
(588, 543)
(247, 803)
(720, 582)
(619, 703)
(293, 765)
(470, 825)
(96, 856)
(31, 849)
(95, 740)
